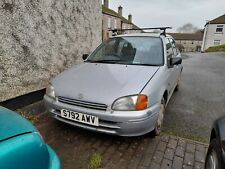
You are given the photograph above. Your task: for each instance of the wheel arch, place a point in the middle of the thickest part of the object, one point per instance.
(213, 134)
(165, 96)
(218, 129)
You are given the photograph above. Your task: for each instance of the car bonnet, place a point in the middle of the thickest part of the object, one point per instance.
(102, 83)
(12, 124)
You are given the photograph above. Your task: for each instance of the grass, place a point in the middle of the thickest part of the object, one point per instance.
(95, 161)
(28, 116)
(186, 136)
(220, 48)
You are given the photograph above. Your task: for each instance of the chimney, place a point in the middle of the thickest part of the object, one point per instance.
(106, 3)
(130, 18)
(120, 10)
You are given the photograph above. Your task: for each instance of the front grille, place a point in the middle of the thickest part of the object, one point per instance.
(80, 103)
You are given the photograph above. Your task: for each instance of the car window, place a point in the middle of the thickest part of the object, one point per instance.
(175, 50)
(130, 50)
(169, 49)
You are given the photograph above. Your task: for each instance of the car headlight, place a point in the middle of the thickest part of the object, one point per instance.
(50, 91)
(131, 103)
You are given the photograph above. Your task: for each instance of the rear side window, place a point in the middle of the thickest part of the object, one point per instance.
(169, 49)
(174, 48)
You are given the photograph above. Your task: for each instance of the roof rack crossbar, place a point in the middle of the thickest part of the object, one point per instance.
(163, 29)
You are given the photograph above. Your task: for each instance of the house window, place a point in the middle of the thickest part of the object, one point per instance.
(115, 23)
(216, 42)
(112, 24)
(109, 22)
(219, 28)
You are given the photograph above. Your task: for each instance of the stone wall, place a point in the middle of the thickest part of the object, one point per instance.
(109, 22)
(190, 45)
(41, 38)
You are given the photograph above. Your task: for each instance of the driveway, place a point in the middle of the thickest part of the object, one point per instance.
(201, 98)
(76, 147)
(190, 113)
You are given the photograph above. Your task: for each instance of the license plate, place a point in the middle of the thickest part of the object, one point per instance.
(79, 117)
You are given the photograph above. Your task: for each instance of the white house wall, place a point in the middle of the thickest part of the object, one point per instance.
(210, 35)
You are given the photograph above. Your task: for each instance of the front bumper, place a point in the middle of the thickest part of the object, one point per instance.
(122, 123)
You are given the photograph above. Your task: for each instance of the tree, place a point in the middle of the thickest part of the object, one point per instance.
(187, 28)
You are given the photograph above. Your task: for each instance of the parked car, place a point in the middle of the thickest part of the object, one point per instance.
(215, 158)
(21, 145)
(122, 88)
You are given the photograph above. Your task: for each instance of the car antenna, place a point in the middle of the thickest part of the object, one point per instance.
(163, 29)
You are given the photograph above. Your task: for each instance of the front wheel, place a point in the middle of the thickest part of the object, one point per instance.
(159, 122)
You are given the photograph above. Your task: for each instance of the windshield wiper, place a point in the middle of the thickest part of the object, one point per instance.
(102, 61)
(143, 64)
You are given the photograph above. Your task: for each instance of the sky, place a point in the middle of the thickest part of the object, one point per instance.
(175, 13)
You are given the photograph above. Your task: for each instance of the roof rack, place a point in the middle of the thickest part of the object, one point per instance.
(163, 29)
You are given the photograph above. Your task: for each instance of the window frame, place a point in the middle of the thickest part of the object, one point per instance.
(109, 22)
(115, 23)
(219, 28)
(215, 42)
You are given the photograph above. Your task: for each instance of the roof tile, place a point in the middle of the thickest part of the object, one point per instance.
(198, 36)
(219, 20)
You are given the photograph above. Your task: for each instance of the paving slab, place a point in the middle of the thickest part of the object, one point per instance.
(75, 146)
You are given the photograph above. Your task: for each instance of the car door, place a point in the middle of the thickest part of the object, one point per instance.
(171, 76)
(177, 68)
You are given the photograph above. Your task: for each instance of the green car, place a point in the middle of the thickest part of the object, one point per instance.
(21, 145)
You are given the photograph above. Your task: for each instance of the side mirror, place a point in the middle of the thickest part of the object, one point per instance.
(85, 56)
(175, 61)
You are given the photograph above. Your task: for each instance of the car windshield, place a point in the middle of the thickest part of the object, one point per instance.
(129, 51)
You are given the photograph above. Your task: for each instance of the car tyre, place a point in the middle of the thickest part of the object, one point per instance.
(159, 122)
(214, 155)
(177, 86)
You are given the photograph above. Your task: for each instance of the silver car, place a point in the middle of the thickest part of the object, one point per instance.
(122, 88)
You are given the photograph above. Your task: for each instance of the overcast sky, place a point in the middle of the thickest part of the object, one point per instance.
(175, 13)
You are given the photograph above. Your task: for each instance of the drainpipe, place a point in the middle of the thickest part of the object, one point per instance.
(205, 35)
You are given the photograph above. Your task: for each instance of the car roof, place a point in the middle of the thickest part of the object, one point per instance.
(143, 35)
